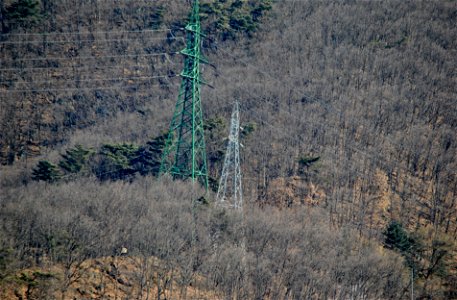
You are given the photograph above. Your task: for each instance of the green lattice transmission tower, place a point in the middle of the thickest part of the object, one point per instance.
(184, 155)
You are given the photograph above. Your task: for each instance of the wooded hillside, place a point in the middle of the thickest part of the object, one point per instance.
(349, 125)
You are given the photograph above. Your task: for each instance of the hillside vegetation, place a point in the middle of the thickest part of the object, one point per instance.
(349, 145)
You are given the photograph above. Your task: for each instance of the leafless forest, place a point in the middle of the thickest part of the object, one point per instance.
(349, 153)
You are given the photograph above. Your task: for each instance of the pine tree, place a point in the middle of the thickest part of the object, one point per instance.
(45, 171)
(23, 12)
(117, 161)
(147, 159)
(74, 159)
(397, 238)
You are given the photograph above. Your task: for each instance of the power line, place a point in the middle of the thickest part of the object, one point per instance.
(82, 57)
(76, 89)
(91, 40)
(96, 79)
(87, 32)
(78, 68)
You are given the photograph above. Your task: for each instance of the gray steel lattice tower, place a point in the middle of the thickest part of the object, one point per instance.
(229, 193)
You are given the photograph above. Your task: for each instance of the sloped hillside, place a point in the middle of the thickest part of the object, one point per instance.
(346, 107)
(113, 277)
(94, 61)
(66, 239)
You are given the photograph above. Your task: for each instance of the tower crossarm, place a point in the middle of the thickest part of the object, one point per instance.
(184, 154)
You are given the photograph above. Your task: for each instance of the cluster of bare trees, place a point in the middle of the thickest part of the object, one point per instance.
(82, 63)
(262, 254)
(368, 87)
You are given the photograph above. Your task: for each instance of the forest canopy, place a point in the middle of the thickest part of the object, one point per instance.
(348, 153)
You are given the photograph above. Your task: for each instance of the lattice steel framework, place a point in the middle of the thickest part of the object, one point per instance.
(230, 193)
(184, 155)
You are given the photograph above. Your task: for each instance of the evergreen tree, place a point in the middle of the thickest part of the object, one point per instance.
(397, 238)
(45, 171)
(147, 159)
(23, 12)
(247, 129)
(74, 159)
(305, 164)
(117, 161)
(230, 18)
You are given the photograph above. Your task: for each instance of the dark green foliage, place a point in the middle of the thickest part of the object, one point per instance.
(367, 104)
(216, 137)
(23, 13)
(227, 19)
(213, 124)
(247, 129)
(121, 160)
(121, 154)
(45, 171)
(75, 159)
(305, 163)
(216, 141)
(116, 161)
(308, 161)
(112, 162)
(147, 159)
(202, 200)
(28, 279)
(398, 239)
(259, 9)
(240, 22)
(427, 258)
